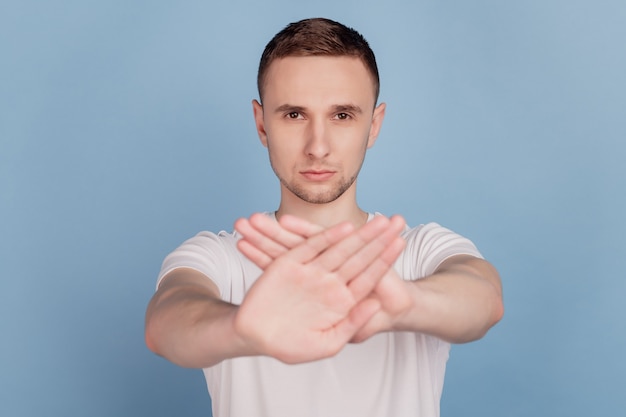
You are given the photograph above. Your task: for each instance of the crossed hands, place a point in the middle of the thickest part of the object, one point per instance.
(320, 288)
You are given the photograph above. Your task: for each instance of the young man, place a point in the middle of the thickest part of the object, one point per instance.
(321, 309)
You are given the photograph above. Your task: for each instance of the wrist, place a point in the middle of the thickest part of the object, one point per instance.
(408, 314)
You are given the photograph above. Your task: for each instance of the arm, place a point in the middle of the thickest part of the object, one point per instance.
(461, 301)
(188, 324)
(307, 304)
(458, 303)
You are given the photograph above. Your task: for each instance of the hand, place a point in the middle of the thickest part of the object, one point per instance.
(310, 300)
(265, 239)
(393, 294)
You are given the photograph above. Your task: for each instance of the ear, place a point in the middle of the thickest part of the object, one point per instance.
(377, 122)
(257, 108)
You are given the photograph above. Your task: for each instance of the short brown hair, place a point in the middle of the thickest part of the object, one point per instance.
(318, 37)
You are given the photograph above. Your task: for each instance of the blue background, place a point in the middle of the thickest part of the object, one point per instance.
(126, 127)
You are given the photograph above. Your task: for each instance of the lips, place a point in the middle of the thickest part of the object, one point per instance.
(317, 175)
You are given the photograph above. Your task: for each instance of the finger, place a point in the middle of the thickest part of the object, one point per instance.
(374, 325)
(299, 226)
(352, 255)
(392, 251)
(274, 230)
(275, 238)
(261, 237)
(363, 334)
(379, 246)
(312, 247)
(390, 254)
(250, 251)
(358, 317)
(340, 253)
(366, 281)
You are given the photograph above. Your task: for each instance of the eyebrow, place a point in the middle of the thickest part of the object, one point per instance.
(337, 108)
(347, 108)
(289, 108)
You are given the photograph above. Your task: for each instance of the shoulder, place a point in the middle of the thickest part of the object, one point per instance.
(206, 243)
(425, 233)
(430, 244)
(430, 232)
(204, 252)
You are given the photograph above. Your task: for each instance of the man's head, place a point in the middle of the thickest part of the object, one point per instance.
(319, 85)
(318, 37)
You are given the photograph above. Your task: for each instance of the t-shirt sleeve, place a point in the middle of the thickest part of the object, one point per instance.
(207, 253)
(428, 246)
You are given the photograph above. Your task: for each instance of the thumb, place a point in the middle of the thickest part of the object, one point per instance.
(358, 317)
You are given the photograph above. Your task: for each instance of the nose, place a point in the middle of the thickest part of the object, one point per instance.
(317, 143)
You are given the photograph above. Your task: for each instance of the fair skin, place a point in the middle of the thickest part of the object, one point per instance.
(317, 121)
(327, 278)
(458, 303)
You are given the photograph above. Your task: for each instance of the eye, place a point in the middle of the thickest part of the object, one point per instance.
(342, 116)
(293, 115)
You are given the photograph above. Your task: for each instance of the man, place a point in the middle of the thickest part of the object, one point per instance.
(321, 309)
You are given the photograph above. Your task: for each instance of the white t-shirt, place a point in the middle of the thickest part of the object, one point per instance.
(395, 374)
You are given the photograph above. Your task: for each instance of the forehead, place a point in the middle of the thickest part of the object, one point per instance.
(318, 78)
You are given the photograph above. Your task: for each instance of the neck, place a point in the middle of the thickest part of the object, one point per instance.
(342, 209)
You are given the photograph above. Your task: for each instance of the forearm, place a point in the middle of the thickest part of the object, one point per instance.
(188, 325)
(459, 303)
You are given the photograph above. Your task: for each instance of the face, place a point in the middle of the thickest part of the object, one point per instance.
(317, 121)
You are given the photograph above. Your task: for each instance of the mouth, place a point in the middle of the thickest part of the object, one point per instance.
(317, 175)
